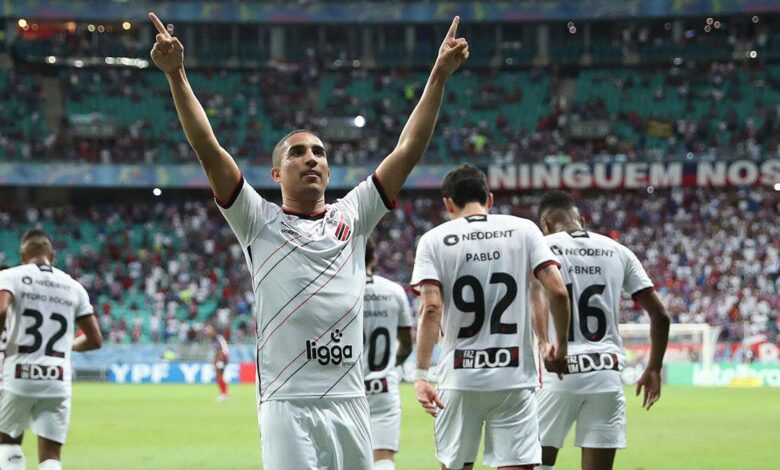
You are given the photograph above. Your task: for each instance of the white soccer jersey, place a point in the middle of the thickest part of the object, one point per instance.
(41, 323)
(482, 264)
(221, 346)
(308, 273)
(385, 309)
(596, 269)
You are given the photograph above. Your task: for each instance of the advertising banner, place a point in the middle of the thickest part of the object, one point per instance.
(724, 374)
(178, 372)
(633, 175)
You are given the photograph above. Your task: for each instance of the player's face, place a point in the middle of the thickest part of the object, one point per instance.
(304, 171)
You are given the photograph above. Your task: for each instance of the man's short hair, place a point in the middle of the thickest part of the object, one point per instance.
(36, 242)
(556, 200)
(276, 156)
(465, 184)
(370, 251)
(33, 234)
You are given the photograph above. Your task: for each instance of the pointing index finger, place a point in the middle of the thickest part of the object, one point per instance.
(158, 24)
(453, 27)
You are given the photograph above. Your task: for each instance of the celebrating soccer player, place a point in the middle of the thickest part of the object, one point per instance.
(307, 264)
(41, 306)
(473, 276)
(596, 269)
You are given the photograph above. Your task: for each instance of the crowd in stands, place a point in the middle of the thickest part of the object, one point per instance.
(159, 272)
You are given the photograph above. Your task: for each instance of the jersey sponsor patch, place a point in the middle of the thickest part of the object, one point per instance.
(39, 372)
(331, 353)
(592, 362)
(376, 386)
(490, 358)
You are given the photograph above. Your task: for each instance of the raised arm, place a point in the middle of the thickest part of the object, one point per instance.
(427, 333)
(397, 166)
(221, 169)
(659, 337)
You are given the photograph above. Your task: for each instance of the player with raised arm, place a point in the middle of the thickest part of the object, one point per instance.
(220, 360)
(596, 270)
(41, 306)
(387, 320)
(306, 259)
(473, 274)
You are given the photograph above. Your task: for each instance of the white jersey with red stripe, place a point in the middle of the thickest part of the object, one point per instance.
(483, 265)
(221, 348)
(41, 323)
(308, 273)
(597, 270)
(385, 309)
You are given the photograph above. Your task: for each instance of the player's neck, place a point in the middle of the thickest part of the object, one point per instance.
(39, 260)
(471, 208)
(302, 206)
(568, 227)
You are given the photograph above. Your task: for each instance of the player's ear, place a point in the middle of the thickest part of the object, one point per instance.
(449, 205)
(490, 201)
(543, 224)
(276, 174)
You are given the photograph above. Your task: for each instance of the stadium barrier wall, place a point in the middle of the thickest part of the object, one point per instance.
(608, 176)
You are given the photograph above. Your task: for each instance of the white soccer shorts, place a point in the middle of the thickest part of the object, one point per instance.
(511, 428)
(48, 417)
(385, 411)
(600, 417)
(314, 434)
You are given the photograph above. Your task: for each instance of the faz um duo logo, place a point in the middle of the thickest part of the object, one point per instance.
(334, 353)
(592, 362)
(38, 372)
(489, 358)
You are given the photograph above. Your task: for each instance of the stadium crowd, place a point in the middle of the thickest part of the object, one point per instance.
(157, 273)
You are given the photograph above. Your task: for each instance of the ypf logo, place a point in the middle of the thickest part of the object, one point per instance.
(329, 354)
(451, 240)
(27, 280)
(556, 250)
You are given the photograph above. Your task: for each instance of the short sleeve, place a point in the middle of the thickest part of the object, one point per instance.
(84, 307)
(7, 281)
(405, 310)
(425, 268)
(539, 253)
(246, 212)
(635, 278)
(368, 202)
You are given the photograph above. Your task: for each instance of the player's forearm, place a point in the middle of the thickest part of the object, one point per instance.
(540, 308)
(659, 337)
(419, 128)
(559, 307)
(427, 334)
(192, 116)
(83, 343)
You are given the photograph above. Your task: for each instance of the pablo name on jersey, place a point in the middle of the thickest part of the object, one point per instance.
(592, 362)
(489, 358)
(39, 372)
(336, 354)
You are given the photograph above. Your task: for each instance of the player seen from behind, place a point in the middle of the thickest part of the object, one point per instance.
(387, 321)
(596, 270)
(220, 360)
(41, 306)
(306, 259)
(473, 275)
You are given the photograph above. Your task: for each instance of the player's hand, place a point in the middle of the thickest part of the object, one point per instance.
(428, 397)
(555, 361)
(167, 53)
(651, 381)
(453, 51)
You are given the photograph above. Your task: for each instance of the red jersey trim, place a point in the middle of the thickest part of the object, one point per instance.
(233, 196)
(424, 282)
(390, 205)
(544, 265)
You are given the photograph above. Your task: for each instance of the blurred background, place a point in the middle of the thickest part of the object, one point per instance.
(663, 117)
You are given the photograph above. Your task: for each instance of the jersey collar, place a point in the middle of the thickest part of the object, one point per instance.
(313, 216)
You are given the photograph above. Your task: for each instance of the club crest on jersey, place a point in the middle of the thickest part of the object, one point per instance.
(39, 372)
(592, 362)
(339, 225)
(490, 358)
